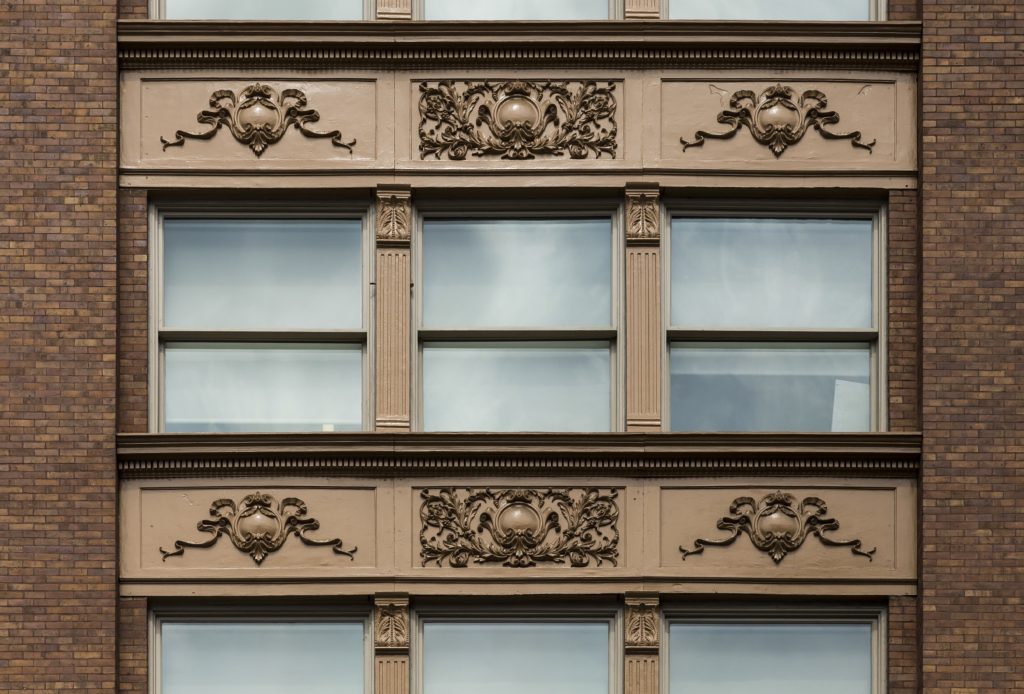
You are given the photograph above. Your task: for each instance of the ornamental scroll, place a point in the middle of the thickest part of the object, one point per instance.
(517, 119)
(519, 527)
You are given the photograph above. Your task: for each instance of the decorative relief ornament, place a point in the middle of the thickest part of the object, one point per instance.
(641, 624)
(642, 215)
(519, 527)
(393, 216)
(254, 526)
(517, 119)
(778, 120)
(392, 627)
(776, 526)
(258, 117)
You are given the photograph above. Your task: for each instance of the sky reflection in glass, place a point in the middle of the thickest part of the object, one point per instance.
(806, 10)
(516, 9)
(263, 9)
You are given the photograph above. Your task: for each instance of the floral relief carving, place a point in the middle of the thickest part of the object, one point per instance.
(517, 119)
(778, 119)
(392, 628)
(642, 625)
(642, 216)
(393, 218)
(257, 527)
(258, 117)
(776, 524)
(519, 527)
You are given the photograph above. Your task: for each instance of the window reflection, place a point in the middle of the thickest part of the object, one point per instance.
(806, 10)
(516, 9)
(263, 9)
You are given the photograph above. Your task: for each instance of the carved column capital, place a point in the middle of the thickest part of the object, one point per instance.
(394, 216)
(643, 214)
(643, 623)
(391, 623)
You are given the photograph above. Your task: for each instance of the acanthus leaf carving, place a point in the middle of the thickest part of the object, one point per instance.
(517, 119)
(255, 526)
(777, 119)
(258, 116)
(519, 527)
(392, 627)
(641, 624)
(393, 218)
(777, 525)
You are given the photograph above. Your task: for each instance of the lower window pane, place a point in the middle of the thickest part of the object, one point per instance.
(262, 387)
(261, 658)
(770, 658)
(513, 658)
(770, 387)
(263, 9)
(519, 386)
(805, 10)
(516, 9)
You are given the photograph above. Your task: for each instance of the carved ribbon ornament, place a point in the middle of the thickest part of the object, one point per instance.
(519, 527)
(517, 119)
(776, 119)
(257, 528)
(259, 117)
(778, 526)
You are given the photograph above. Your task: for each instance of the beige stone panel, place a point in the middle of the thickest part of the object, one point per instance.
(155, 107)
(627, 91)
(642, 9)
(393, 340)
(881, 107)
(643, 338)
(391, 674)
(155, 515)
(880, 514)
(394, 9)
(642, 674)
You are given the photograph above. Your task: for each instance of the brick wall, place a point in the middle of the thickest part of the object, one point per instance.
(133, 651)
(57, 345)
(973, 334)
(904, 10)
(902, 649)
(903, 289)
(133, 9)
(133, 307)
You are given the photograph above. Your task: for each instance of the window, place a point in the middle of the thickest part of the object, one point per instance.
(230, 654)
(260, 323)
(516, 9)
(792, 651)
(571, 653)
(774, 322)
(517, 324)
(804, 10)
(261, 9)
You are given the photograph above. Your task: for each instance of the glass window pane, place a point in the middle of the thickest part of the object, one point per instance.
(262, 387)
(262, 273)
(516, 9)
(552, 658)
(807, 10)
(770, 387)
(263, 9)
(770, 658)
(522, 386)
(771, 273)
(517, 273)
(235, 658)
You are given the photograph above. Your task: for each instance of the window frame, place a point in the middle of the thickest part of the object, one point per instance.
(158, 10)
(507, 610)
(266, 614)
(876, 337)
(780, 613)
(567, 208)
(159, 335)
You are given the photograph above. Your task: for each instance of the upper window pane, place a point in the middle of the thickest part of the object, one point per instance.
(231, 658)
(516, 9)
(770, 658)
(806, 10)
(771, 273)
(262, 274)
(517, 273)
(555, 658)
(263, 9)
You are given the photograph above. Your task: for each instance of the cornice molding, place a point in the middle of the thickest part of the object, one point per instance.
(147, 44)
(433, 455)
